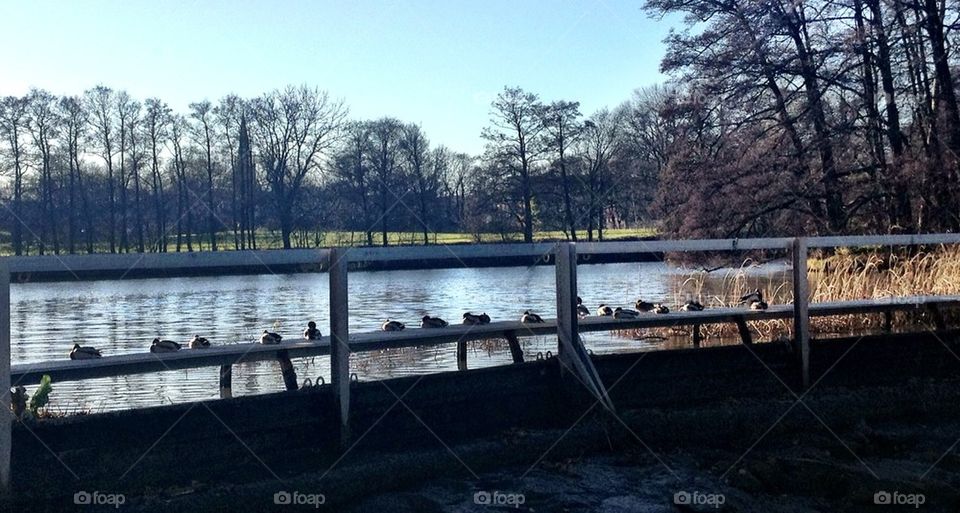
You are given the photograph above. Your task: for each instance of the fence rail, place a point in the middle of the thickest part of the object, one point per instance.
(341, 343)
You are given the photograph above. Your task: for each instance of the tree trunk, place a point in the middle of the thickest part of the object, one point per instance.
(796, 26)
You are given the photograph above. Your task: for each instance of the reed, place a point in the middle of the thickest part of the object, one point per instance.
(841, 276)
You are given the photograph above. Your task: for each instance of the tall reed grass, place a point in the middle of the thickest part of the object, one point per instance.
(845, 275)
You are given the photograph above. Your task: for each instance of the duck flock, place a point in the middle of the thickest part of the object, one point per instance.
(753, 300)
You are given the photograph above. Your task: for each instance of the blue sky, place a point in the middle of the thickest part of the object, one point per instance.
(433, 62)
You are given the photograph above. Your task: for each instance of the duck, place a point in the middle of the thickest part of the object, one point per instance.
(269, 337)
(311, 333)
(660, 308)
(604, 310)
(164, 346)
(625, 313)
(389, 325)
(752, 297)
(199, 342)
(582, 310)
(432, 322)
(692, 306)
(644, 306)
(759, 305)
(530, 318)
(84, 353)
(470, 318)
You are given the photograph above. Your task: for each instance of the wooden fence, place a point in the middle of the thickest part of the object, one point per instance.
(340, 343)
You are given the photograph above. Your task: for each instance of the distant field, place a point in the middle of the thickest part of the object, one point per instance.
(272, 240)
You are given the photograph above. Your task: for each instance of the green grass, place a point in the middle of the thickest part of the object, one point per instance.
(272, 240)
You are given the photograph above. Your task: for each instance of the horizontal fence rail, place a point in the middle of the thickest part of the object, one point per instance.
(143, 363)
(567, 326)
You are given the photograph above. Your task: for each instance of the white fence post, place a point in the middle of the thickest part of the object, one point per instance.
(6, 416)
(801, 303)
(565, 262)
(340, 339)
(571, 351)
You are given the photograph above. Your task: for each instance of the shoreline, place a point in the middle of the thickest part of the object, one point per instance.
(54, 268)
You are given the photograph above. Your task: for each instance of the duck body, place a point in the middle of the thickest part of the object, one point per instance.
(470, 318)
(199, 342)
(269, 338)
(389, 325)
(625, 313)
(164, 346)
(644, 306)
(582, 310)
(84, 353)
(752, 297)
(433, 322)
(660, 308)
(604, 310)
(692, 306)
(311, 332)
(529, 317)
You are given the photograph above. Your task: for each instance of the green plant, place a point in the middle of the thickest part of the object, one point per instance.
(41, 396)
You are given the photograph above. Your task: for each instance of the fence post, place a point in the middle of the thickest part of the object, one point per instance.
(571, 351)
(6, 417)
(340, 339)
(801, 313)
(565, 262)
(226, 381)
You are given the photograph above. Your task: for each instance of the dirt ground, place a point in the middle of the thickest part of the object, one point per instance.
(871, 449)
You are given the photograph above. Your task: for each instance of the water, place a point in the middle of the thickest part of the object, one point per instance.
(121, 317)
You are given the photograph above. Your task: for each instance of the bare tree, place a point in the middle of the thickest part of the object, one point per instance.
(561, 121)
(416, 153)
(385, 134)
(74, 120)
(157, 120)
(202, 129)
(246, 176)
(43, 125)
(515, 140)
(100, 104)
(13, 123)
(353, 166)
(178, 130)
(295, 130)
(596, 147)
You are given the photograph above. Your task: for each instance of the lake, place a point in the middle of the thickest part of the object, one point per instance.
(121, 317)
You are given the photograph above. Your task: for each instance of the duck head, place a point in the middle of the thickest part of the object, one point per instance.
(312, 325)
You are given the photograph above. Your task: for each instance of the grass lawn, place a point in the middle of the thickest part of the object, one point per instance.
(271, 239)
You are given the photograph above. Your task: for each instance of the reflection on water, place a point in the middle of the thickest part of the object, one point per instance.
(122, 317)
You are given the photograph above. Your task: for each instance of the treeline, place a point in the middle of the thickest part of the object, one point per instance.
(106, 172)
(808, 116)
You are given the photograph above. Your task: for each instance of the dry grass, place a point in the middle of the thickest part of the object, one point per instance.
(841, 276)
